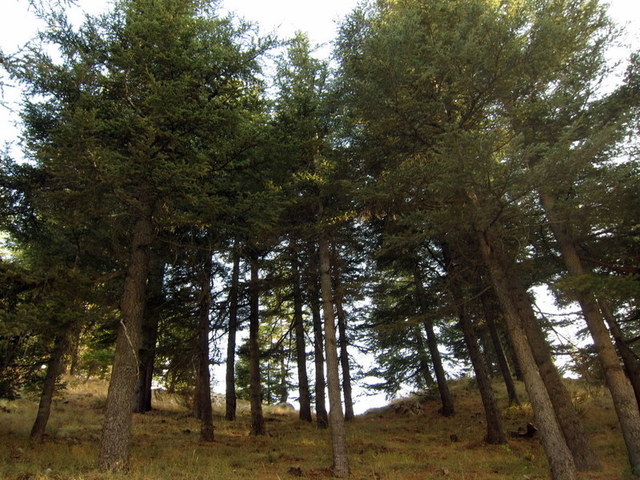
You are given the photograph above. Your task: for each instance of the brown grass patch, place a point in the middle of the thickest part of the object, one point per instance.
(382, 445)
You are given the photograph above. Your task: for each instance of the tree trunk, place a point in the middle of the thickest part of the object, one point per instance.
(116, 432)
(301, 344)
(628, 356)
(74, 348)
(495, 432)
(432, 342)
(558, 453)
(284, 393)
(255, 383)
(336, 417)
(621, 390)
(423, 358)
(204, 375)
(344, 354)
(503, 364)
(322, 418)
(584, 455)
(55, 366)
(150, 333)
(230, 413)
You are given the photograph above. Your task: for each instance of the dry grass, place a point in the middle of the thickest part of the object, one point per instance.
(382, 445)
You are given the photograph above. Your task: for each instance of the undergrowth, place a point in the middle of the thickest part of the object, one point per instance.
(383, 444)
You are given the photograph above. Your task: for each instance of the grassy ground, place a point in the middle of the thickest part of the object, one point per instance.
(383, 444)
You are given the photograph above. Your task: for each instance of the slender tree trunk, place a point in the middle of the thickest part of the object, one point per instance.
(204, 375)
(487, 350)
(150, 333)
(230, 413)
(196, 411)
(503, 364)
(116, 432)
(558, 453)
(301, 344)
(344, 354)
(621, 390)
(517, 371)
(336, 417)
(423, 358)
(628, 357)
(74, 348)
(55, 366)
(432, 342)
(322, 418)
(495, 432)
(255, 384)
(284, 393)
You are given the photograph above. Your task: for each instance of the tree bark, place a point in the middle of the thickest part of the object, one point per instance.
(336, 417)
(423, 358)
(230, 413)
(116, 432)
(344, 354)
(55, 366)
(150, 333)
(322, 418)
(621, 390)
(301, 344)
(560, 458)
(255, 383)
(204, 375)
(448, 408)
(503, 364)
(495, 432)
(584, 455)
(74, 347)
(628, 356)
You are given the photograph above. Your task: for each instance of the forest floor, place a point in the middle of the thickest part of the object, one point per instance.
(399, 442)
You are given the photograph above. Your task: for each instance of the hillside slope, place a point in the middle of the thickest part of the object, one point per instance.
(407, 440)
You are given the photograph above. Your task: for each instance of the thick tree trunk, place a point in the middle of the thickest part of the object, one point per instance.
(255, 383)
(150, 333)
(621, 390)
(495, 432)
(336, 417)
(116, 432)
(322, 418)
(584, 455)
(301, 344)
(503, 363)
(344, 354)
(204, 375)
(628, 356)
(432, 342)
(55, 366)
(230, 413)
(558, 453)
